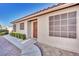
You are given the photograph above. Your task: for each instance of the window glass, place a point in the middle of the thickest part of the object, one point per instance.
(63, 25)
(21, 26)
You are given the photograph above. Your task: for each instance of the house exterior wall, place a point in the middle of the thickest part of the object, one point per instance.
(18, 27)
(59, 42)
(43, 31)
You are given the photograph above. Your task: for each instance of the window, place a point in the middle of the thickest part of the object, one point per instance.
(63, 25)
(14, 28)
(21, 26)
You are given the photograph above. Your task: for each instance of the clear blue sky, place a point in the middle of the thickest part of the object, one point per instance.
(13, 11)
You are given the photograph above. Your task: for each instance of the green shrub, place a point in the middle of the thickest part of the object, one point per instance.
(3, 32)
(18, 35)
(24, 36)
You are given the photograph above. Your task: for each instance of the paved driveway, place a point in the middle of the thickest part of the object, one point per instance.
(8, 49)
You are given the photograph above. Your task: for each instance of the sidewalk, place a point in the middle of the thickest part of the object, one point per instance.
(27, 47)
(8, 49)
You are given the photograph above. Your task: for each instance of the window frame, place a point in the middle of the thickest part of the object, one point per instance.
(21, 26)
(74, 18)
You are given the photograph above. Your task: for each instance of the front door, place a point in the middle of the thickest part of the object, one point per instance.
(35, 29)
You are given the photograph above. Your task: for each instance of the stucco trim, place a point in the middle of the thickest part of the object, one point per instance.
(45, 12)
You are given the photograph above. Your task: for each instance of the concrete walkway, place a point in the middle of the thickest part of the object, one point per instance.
(8, 49)
(27, 47)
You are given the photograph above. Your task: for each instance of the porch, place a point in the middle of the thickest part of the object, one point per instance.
(32, 29)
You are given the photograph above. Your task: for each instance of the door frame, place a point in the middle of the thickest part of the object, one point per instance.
(35, 29)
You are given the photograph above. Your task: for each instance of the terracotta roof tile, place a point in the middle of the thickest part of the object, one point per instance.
(41, 11)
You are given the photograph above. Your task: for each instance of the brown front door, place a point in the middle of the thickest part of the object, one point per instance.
(35, 29)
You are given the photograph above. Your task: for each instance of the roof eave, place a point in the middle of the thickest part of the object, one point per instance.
(45, 11)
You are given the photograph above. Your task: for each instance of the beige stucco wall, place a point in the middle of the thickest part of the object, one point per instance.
(18, 27)
(28, 27)
(43, 31)
(59, 42)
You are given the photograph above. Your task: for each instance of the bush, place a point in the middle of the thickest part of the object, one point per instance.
(3, 32)
(18, 35)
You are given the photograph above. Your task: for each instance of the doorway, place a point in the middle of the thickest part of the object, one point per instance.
(35, 29)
